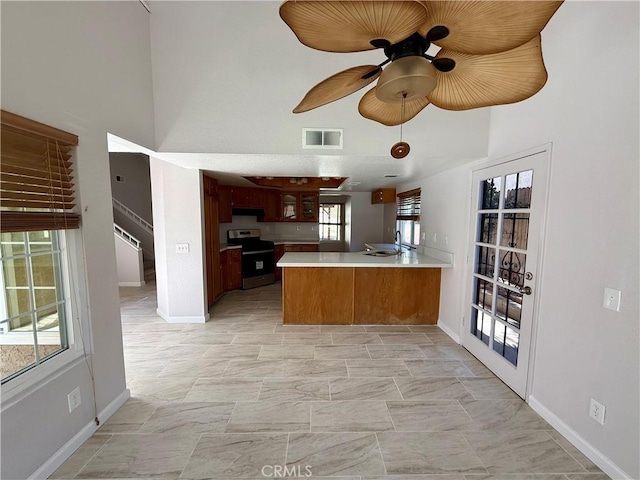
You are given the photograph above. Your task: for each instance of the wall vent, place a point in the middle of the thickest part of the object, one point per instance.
(324, 138)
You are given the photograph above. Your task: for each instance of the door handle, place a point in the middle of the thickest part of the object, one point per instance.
(526, 290)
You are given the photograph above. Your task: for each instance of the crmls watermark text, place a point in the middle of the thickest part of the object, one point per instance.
(285, 471)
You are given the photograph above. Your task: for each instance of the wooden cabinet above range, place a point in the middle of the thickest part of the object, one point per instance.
(274, 205)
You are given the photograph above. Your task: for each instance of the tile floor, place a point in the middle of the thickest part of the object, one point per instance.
(244, 397)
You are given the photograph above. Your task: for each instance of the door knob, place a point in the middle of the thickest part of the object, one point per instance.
(526, 290)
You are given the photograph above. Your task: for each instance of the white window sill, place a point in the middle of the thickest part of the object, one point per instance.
(20, 387)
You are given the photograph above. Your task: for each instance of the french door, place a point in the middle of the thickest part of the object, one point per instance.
(509, 203)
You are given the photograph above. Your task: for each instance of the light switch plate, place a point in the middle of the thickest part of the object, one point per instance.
(612, 299)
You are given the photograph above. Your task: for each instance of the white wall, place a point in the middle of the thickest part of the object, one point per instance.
(178, 218)
(129, 263)
(364, 221)
(83, 67)
(135, 191)
(591, 115)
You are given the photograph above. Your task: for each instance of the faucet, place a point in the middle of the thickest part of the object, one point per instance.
(398, 238)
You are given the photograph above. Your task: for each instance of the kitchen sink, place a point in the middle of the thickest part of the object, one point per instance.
(383, 253)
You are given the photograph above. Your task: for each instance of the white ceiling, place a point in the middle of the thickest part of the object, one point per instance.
(227, 75)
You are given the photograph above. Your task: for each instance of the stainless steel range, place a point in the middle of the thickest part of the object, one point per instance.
(258, 257)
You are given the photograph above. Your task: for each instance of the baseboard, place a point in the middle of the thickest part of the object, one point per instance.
(589, 451)
(58, 458)
(132, 284)
(449, 332)
(169, 319)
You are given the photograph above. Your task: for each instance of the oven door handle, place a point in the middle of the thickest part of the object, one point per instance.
(257, 251)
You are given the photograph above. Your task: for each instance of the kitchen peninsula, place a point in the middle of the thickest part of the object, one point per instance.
(356, 288)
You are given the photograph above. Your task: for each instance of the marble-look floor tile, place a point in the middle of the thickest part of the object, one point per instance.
(256, 368)
(447, 352)
(267, 416)
(328, 352)
(356, 338)
(432, 388)
(224, 390)
(129, 417)
(258, 339)
(417, 477)
(478, 369)
(289, 389)
(406, 453)
(73, 465)
(404, 339)
(251, 328)
(399, 352)
(234, 352)
(430, 416)
(280, 328)
(521, 452)
(440, 338)
(586, 476)
(189, 417)
(332, 454)
(287, 351)
(150, 455)
(343, 329)
(350, 416)
(316, 368)
(387, 329)
(376, 388)
(488, 388)
(203, 367)
(503, 415)
(205, 338)
(574, 452)
(163, 389)
(377, 368)
(433, 329)
(307, 339)
(438, 368)
(235, 455)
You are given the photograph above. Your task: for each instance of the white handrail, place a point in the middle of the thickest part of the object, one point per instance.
(132, 215)
(122, 233)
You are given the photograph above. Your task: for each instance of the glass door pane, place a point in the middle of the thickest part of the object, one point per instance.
(289, 206)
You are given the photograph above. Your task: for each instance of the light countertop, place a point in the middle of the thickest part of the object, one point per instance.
(359, 259)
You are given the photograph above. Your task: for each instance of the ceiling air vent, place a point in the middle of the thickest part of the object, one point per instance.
(324, 138)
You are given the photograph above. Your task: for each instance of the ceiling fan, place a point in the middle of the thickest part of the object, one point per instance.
(490, 52)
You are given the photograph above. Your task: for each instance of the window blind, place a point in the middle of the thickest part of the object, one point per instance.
(408, 207)
(36, 176)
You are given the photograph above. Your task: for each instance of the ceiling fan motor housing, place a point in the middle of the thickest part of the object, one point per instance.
(410, 77)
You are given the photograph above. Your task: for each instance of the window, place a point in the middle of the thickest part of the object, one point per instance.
(331, 222)
(408, 217)
(37, 202)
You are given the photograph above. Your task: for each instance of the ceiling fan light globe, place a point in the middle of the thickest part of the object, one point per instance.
(410, 78)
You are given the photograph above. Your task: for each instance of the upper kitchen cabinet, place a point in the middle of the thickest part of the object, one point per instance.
(383, 195)
(224, 203)
(299, 207)
(271, 203)
(246, 197)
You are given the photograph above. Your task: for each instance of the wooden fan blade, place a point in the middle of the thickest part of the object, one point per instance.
(389, 114)
(337, 86)
(484, 27)
(485, 80)
(350, 26)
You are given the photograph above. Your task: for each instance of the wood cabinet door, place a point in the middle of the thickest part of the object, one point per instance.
(271, 201)
(309, 209)
(235, 268)
(212, 240)
(279, 252)
(289, 207)
(224, 270)
(224, 204)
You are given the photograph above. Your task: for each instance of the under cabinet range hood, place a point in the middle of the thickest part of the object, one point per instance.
(248, 212)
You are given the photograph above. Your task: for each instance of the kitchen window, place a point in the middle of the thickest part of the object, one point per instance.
(38, 220)
(331, 222)
(408, 217)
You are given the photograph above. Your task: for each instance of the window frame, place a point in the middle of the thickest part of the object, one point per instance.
(340, 224)
(408, 207)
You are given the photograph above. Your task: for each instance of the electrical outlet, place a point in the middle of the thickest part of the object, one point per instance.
(74, 399)
(596, 411)
(612, 299)
(182, 248)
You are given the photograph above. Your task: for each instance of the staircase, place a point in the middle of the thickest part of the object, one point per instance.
(139, 233)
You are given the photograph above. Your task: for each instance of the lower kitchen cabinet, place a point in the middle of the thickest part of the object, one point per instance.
(301, 247)
(279, 252)
(231, 266)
